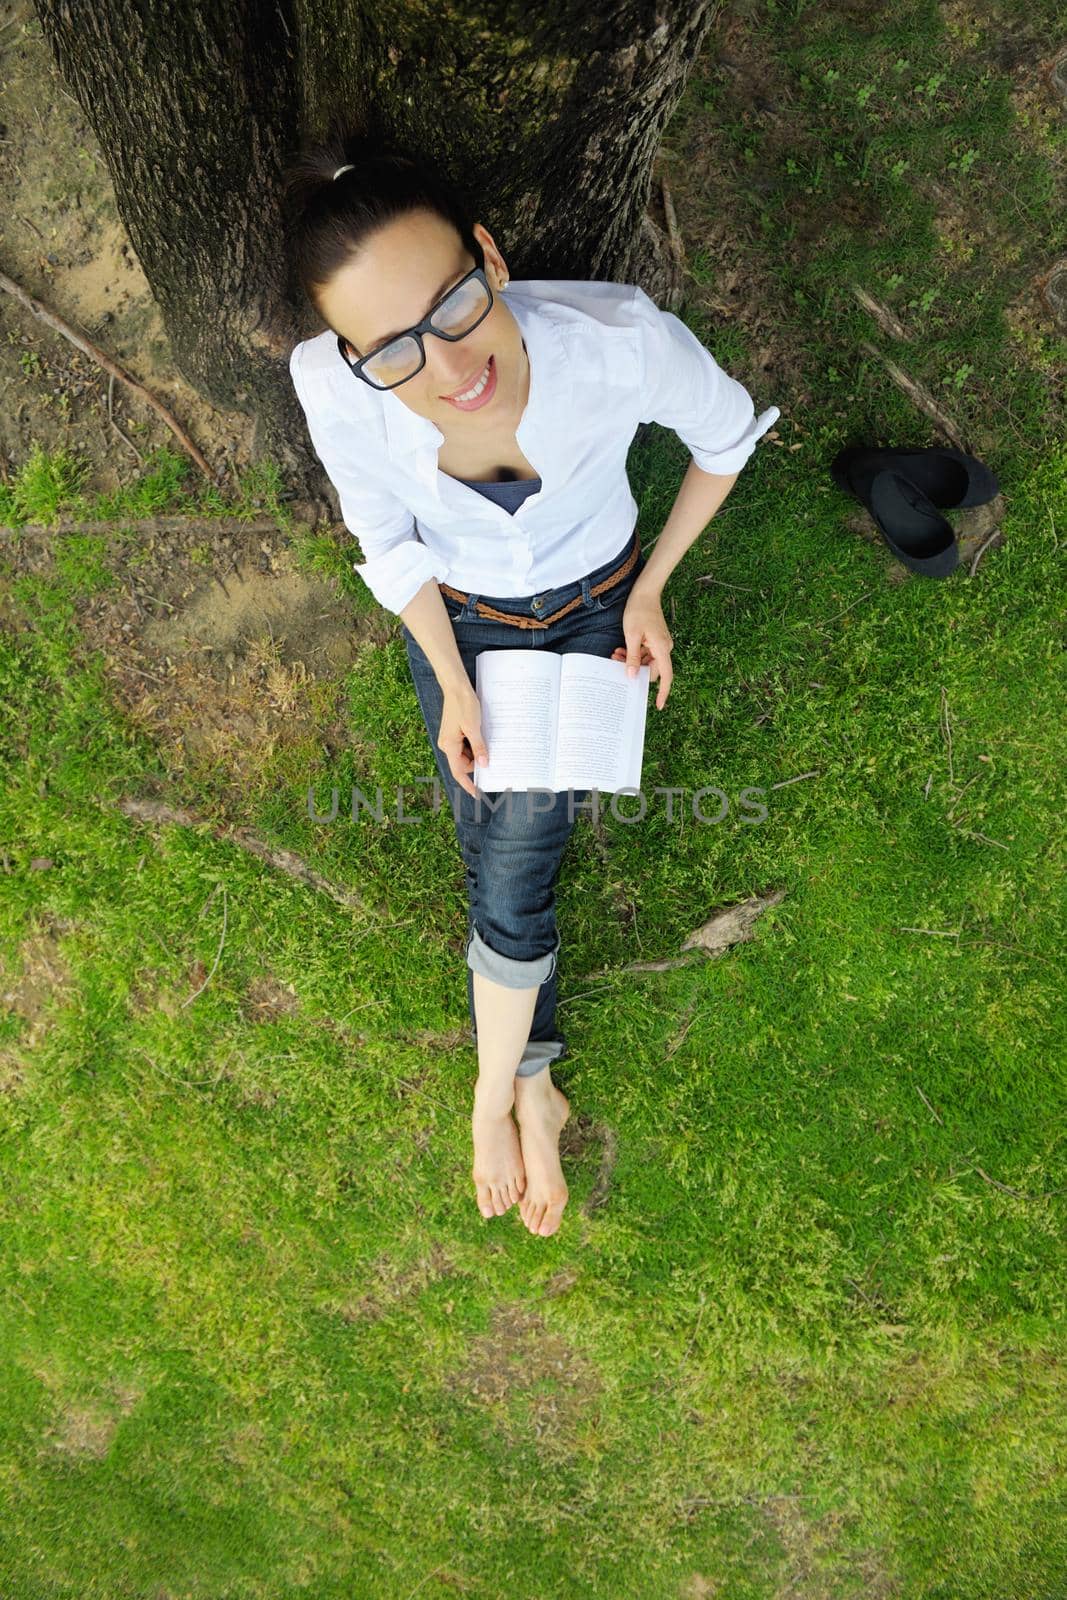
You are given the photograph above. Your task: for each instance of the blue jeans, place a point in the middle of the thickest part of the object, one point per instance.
(512, 845)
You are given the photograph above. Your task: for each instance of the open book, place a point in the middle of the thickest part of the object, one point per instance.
(560, 722)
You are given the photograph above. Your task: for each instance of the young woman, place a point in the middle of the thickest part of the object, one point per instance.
(477, 434)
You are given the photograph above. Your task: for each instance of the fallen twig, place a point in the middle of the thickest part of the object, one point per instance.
(946, 729)
(679, 1038)
(87, 347)
(141, 673)
(283, 860)
(1019, 949)
(961, 794)
(184, 1083)
(673, 231)
(584, 994)
(1019, 1194)
(848, 607)
(915, 391)
(928, 1106)
(797, 779)
(139, 525)
(609, 1153)
(415, 1088)
(638, 966)
(886, 319)
(979, 938)
(982, 550)
(862, 1291)
(218, 952)
(971, 834)
(111, 419)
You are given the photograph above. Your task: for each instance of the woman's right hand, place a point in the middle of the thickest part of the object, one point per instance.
(460, 735)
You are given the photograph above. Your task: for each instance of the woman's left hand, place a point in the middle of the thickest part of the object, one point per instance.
(648, 642)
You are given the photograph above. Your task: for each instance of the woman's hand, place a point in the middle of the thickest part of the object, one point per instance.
(460, 734)
(648, 641)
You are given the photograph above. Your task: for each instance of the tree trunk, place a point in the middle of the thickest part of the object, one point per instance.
(549, 117)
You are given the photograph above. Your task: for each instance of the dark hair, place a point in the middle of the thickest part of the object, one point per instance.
(327, 220)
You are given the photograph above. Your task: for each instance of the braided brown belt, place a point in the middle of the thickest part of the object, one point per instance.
(484, 610)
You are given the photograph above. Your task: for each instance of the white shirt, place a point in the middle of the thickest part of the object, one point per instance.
(603, 358)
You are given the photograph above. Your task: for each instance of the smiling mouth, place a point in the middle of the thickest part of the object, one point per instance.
(486, 372)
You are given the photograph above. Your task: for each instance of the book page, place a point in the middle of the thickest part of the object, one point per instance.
(601, 736)
(518, 691)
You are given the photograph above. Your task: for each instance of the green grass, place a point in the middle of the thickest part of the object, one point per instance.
(49, 485)
(257, 1340)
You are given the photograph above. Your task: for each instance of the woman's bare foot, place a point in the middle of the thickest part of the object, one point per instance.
(498, 1168)
(541, 1110)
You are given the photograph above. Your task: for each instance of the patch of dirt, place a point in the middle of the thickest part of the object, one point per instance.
(532, 1380)
(964, 230)
(221, 652)
(222, 655)
(83, 1431)
(244, 1448)
(267, 999)
(142, 996)
(149, 992)
(699, 1587)
(963, 27)
(580, 1135)
(252, 1094)
(560, 1283)
(818, 1557)
(126, 1396)
(1053, 287)
(41, 980)
(43, 976)
(390, 1284)
(223, 618)
(65, 243)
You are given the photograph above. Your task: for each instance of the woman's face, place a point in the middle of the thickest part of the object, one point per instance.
(405, 268)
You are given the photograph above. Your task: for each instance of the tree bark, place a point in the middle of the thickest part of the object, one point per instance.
(550, 117)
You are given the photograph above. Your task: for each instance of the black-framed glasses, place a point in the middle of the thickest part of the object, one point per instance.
(465, 305)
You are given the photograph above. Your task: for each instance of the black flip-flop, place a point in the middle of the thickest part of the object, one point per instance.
(947, 476)
(911, 525)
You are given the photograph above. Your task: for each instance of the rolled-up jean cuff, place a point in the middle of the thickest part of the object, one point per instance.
(536, 1055)
(506, 970)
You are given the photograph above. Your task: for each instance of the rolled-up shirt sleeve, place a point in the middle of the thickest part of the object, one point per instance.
(684, 388)
(397, 563)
